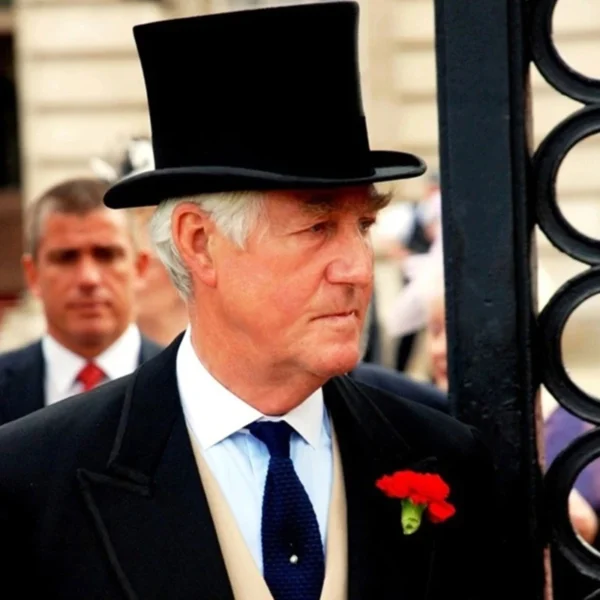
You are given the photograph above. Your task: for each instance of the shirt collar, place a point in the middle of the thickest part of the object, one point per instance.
(117, 360)
(214, 413)
(123, 356)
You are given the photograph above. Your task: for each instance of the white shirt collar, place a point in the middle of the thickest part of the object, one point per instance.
(214, 413)
(123, 356)
(119, 359)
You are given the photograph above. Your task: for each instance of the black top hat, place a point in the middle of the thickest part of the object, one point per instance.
(256, 100)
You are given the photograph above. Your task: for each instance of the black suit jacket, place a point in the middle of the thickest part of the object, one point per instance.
(399, 384)
(22, 375)
(100, 497)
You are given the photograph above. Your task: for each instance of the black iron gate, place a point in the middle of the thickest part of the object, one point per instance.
(496, 187)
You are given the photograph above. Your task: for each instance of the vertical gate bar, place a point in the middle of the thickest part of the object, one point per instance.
(484, 131)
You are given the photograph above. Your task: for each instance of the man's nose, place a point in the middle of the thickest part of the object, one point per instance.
(88, 272)
(353, 263)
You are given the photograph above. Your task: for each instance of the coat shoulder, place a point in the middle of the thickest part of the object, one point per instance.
(19, 357)
(400, 384)
(78, 429)
(424, 428)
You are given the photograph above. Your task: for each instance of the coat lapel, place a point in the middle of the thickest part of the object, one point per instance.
(383, 562)
(148, 506)
(24, 391)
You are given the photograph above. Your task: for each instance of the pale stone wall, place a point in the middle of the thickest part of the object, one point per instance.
(80, 83)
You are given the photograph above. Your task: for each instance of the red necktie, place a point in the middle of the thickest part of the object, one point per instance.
(90, 376)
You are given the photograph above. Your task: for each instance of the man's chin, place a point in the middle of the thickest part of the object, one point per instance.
(336, 363)
(92, 336)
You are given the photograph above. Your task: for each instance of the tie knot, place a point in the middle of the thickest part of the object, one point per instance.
(275, 435)
(90, 376)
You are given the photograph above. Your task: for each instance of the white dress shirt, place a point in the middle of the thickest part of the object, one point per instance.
(218, 420)
(62, 366)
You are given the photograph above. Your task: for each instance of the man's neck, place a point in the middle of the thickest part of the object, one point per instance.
(89, 348)
(270, 390)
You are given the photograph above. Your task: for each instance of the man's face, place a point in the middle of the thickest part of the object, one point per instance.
(296, 297)
(85, 273)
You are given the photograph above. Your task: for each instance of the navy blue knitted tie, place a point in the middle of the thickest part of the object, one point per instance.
(293, 559)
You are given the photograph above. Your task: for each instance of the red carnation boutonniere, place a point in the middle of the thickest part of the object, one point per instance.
(419, 492)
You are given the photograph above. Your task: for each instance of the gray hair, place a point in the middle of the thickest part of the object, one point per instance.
(234, 213)
(79, 196)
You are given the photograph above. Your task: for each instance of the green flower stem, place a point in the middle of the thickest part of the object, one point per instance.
(411, 516)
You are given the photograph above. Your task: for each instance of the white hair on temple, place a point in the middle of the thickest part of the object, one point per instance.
(234, 213)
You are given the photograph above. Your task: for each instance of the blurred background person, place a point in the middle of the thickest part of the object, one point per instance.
(161, 312)
(393, 381)
(83, 264)
(411, 230)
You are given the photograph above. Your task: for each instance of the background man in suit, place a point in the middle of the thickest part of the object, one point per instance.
(161, 312)
(83, 263)
(241, 462)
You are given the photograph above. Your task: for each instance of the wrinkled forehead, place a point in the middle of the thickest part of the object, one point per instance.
(364, 198)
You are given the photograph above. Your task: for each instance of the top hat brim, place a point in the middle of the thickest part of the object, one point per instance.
(152, 187)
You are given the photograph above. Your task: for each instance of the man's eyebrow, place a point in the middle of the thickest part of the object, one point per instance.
(323, 203)
(62, 250)
(73, 249)
(318, 205)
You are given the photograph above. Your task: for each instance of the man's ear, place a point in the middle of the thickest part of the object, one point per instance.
(31, 273)
(142, 262)
(192, 229)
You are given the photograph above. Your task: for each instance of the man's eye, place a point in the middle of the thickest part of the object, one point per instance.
(318, 227)
(107, 253)
(366, 224)
(64, 257)
(104, 254)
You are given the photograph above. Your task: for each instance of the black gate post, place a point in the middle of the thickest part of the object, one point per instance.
(484, 123)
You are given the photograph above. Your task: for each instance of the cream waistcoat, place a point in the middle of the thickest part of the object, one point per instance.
(245, 578)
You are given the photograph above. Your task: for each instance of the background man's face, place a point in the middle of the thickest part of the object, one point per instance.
(85, 273)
